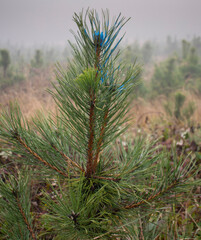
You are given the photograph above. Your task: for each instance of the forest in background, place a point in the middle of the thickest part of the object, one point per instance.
(171, 73)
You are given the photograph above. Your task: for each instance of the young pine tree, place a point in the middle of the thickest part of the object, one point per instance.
(37, 61)
(4, 60)
(94, 187)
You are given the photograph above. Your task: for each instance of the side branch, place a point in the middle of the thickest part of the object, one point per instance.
(68, 159)
(89, 167)
(133, 205)
(100, 141)
(38, 157)
(24, 217)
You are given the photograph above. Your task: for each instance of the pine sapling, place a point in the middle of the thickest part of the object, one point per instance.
(94, 186)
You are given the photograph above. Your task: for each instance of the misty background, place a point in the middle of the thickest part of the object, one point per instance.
(164, 36)
(28, 22)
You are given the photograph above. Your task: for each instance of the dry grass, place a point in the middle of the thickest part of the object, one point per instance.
(149, 110)
(32, 95)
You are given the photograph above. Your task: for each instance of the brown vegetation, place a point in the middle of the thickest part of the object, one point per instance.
(31, 94)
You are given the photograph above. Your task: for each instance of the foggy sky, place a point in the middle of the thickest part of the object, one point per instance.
(49, 21)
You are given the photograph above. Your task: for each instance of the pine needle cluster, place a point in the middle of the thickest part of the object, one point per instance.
(94, 186)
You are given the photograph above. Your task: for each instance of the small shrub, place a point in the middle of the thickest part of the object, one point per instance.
(179, 102)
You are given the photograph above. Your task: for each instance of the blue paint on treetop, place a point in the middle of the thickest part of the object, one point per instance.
(99, 37)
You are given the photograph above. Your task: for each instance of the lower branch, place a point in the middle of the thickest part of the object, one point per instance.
(134, 205)
(107, 178)
(68, 159)
(38, 157)
(25, 218)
